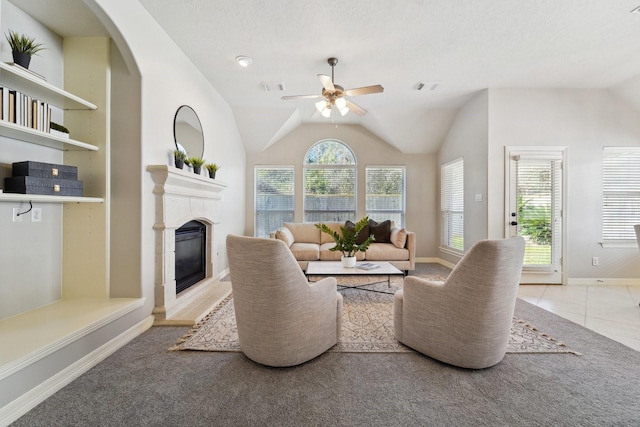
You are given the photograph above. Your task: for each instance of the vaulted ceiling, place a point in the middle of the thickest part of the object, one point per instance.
(455, 48)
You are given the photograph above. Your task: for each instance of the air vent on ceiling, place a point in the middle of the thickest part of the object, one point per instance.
(273, 86)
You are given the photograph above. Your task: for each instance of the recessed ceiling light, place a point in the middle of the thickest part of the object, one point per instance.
(244, 61)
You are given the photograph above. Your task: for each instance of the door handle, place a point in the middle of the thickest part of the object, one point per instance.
(514, 222)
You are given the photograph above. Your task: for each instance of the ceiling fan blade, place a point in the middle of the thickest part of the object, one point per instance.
(326, 82)
(366, 90)
(356, 108)
(302, 96)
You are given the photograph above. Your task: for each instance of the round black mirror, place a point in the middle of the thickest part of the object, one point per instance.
(187, 132)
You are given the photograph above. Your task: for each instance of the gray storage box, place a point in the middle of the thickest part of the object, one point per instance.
(44, 186)
(44, 170)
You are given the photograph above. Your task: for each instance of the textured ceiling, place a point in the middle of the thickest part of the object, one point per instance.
(464, 45)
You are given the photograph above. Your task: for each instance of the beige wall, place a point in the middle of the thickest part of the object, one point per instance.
(468, 138)
(369, 150)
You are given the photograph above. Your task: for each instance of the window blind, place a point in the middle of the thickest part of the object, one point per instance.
(621, 193)
(385, 193)
(274, 198)
(452, 204)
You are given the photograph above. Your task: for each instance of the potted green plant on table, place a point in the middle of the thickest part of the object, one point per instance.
(196, 163)
(179, 158)
(212, 168)
(347, 241)
(22, 48)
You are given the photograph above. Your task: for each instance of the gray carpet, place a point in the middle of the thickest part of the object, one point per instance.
(144, 385)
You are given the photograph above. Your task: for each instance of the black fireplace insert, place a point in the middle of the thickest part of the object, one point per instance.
(190, 254)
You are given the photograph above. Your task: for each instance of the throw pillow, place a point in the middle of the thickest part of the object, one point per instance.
(362, 235)
(285, 235)
(380, 230)
(398, 237)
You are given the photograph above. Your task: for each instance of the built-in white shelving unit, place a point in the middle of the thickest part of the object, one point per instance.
(22, 133)
(15, 197)
(25, 82)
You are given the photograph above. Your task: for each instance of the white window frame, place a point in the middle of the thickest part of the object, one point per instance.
(340, 216)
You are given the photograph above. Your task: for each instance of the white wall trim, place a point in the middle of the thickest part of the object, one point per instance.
(603, 282)
(46, 389)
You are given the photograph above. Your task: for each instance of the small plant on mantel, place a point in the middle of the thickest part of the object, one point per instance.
(23, 47)
(196, 163)
(346, 240)
(212, 168)
(179, 158)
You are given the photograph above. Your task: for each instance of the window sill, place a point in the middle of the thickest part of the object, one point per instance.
(620, 244)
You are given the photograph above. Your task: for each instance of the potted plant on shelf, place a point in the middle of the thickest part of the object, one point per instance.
(179, 158)
(196, 163)
(346, 241)
(212, 168)
(22, 48)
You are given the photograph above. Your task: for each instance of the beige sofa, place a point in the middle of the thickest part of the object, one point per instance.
(308, 243)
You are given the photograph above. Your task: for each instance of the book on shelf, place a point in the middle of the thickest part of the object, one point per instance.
(367, 266)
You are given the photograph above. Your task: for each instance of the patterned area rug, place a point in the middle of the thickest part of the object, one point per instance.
(367, 325)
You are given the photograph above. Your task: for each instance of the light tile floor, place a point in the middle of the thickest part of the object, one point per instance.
(611, 311)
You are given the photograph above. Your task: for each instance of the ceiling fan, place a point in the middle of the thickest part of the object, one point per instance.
(336, 95)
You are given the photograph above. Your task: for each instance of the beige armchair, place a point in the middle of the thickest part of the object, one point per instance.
(466, 320)
(283, 320)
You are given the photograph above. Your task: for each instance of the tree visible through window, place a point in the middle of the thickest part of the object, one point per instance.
(329, 182)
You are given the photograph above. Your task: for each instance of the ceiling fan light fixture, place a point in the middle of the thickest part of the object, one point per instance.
(341, 103)
(244, 61)
(326, 112)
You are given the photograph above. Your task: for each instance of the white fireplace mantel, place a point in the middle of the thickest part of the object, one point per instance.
(181, 196)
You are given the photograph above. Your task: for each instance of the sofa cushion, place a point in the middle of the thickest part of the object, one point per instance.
(334, 226)
(362, 235)
(328, 255)
(285, 235)
(386, 252)
(380, 230)
(305, 251)
(304, 232)
(398, 237)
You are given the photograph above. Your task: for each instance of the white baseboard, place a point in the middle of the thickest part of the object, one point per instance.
(603, 282)
(434, 260)
(40, 393)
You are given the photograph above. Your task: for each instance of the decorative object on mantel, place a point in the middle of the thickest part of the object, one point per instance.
(179, 157)
(196, 163)
(212, 168)
(22, 48)
(347, 240)
(58, 130)
(187, 132)
(43, 178)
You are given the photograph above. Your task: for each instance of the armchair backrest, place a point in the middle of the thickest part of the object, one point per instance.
(264, 269)
(488, 275)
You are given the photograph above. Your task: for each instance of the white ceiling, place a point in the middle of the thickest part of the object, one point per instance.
(464, 45)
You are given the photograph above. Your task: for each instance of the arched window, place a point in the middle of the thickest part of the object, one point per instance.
(329, 182)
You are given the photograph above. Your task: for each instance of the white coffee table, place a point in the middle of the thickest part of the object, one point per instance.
(335, 268)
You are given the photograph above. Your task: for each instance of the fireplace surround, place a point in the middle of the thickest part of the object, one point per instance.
(181, 197)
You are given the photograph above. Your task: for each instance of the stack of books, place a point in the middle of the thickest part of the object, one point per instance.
(24, 110)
